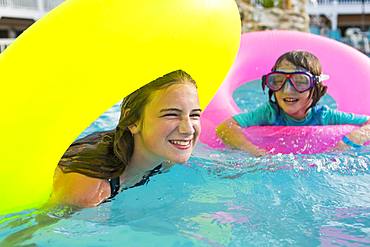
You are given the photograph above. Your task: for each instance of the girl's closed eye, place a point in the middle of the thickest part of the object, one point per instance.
(170, 115)
(195, 116)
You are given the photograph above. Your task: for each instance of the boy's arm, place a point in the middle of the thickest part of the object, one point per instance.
(357, 137)
(232, 135)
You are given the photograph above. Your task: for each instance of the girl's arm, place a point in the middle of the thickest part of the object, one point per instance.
(356, 137)
(232, 135)
(76, 189)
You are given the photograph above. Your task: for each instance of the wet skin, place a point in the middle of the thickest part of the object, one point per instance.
(170, 127)
(166, 133)
(290, 100)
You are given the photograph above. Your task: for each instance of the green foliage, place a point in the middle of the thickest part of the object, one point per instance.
(268, 3)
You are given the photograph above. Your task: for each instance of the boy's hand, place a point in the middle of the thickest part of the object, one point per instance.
(258, 152)
(340, 146)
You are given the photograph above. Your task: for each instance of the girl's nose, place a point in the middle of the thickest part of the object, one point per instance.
(186, 126)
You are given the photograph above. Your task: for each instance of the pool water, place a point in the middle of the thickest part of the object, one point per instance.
(219, 198)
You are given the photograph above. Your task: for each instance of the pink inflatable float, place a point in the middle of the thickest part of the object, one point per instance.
(349, 86)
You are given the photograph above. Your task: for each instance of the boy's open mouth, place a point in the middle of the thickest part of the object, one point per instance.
(290, 100)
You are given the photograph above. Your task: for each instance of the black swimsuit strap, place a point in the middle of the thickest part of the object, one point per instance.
(114, 186)
(115, 182)
(145, 179)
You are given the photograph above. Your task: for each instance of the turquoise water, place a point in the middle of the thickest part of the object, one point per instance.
(219, 198)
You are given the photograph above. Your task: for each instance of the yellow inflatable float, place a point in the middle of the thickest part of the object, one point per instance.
(83, 57)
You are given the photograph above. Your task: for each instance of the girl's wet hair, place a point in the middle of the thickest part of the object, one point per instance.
(106, 154)
(309, 62)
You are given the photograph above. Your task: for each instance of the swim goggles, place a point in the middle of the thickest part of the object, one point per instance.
(300, 80)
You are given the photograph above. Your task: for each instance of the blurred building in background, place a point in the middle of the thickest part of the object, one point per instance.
(17, 15)
(344, 20)
(347, 21)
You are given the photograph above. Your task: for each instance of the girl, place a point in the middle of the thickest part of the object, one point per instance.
(159, 125)
(295, 86)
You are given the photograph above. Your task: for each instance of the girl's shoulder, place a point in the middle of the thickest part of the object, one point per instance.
(79, 190)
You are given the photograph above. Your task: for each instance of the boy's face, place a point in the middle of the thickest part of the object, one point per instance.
(290, 100)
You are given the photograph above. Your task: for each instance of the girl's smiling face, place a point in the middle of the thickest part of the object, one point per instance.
(292, 102)
(170, 125)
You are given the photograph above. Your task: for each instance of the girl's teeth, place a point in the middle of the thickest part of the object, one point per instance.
(182, 143)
